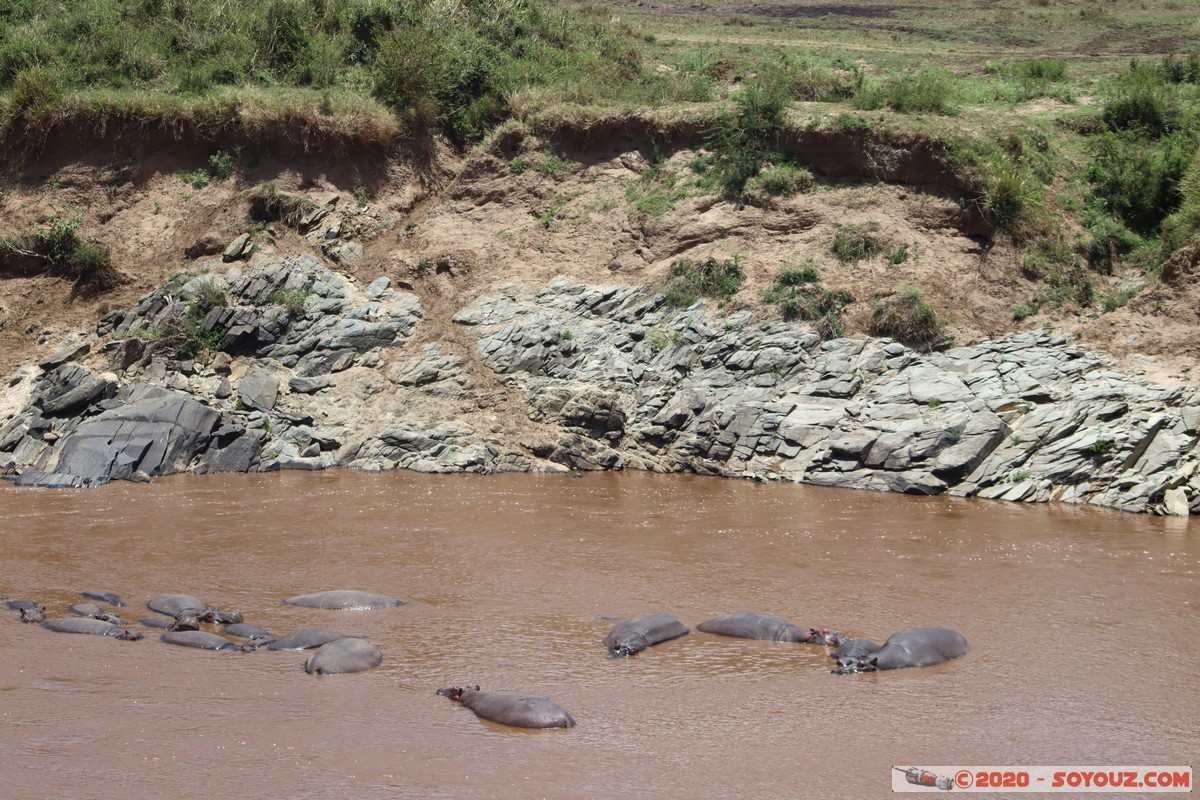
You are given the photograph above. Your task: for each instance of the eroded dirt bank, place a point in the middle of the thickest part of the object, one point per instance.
(501, 310)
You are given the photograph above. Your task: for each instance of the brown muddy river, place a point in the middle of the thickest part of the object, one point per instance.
(1083, 624)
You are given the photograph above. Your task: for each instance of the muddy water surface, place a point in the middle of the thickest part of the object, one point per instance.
(1084, 629)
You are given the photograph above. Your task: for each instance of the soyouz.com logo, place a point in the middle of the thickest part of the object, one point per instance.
(1042, 779)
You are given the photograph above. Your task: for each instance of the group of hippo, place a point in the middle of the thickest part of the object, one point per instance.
(182, 616)
(338, 653)
(918, 647)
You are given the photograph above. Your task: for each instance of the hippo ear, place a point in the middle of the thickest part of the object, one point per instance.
(875, 662)
(477, 687)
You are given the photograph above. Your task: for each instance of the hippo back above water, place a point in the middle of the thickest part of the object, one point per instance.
(918, 647)
(635, 635)
(344, 600)
(511, 708)
(749, 625)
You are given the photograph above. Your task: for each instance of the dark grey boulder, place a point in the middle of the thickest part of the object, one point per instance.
(157, 432)
(259, 389)
(242, 454)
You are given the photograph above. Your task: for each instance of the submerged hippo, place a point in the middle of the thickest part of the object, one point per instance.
(919, 647)
(97, 627)
(748, 625)
(20, 605)
(635, 635)
(175, 604)
(306, 639)
(344, 600)
(244, 630)
(94, 612)
(511, 708)
(35, 614)
(109, 598)
(343, 656)
(202, 640)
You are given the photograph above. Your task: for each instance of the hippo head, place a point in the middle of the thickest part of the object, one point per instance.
(211, 614)
(848, 665)
(185, 621)
(33, 615)
(823, 636)
(129, 636)
(457, 693)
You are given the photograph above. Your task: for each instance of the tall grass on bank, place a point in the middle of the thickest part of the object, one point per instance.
(453, 61)
(1143, 159)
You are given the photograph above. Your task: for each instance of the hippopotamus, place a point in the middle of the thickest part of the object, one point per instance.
(919, 647)
(109, 598)
(244, 630)
(511, 708)
(201, 639)
(94, 612)
(306, 639)
(748, 625)
(19, 605)
(344, 600)
(635, 635)
(342, 656)
(90, 625)
(175, 604)
(154, 622)
(35, 614)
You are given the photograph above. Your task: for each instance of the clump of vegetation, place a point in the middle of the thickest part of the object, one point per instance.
(1142, 200)
(780, 180)
(691, 280)
(58, 249)
(854, 243)
(798, 295)
(743, 139)
(291, 299)
(907, 317)
(931, 90)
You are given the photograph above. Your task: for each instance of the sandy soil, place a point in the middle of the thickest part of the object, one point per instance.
(531, 210)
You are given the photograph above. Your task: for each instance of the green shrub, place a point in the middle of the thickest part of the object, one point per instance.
(847, 122)
(205, 297)
(65, 254)
(1023, 311)
(1041, 69)
(931, 90)
(742, 140)
(798, 295)
(708, 278)
(797, 276)
(781, 180)
(853, 243)
(908, 318)
(291, 299)
(220, 164)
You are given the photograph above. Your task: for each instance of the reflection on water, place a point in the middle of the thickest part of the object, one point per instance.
(513, 578)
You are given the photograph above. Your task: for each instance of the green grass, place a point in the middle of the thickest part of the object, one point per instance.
(797, 293)
(907, 317)
(691, 280)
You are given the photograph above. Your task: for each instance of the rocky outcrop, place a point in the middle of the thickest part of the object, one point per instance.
(303, 369)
